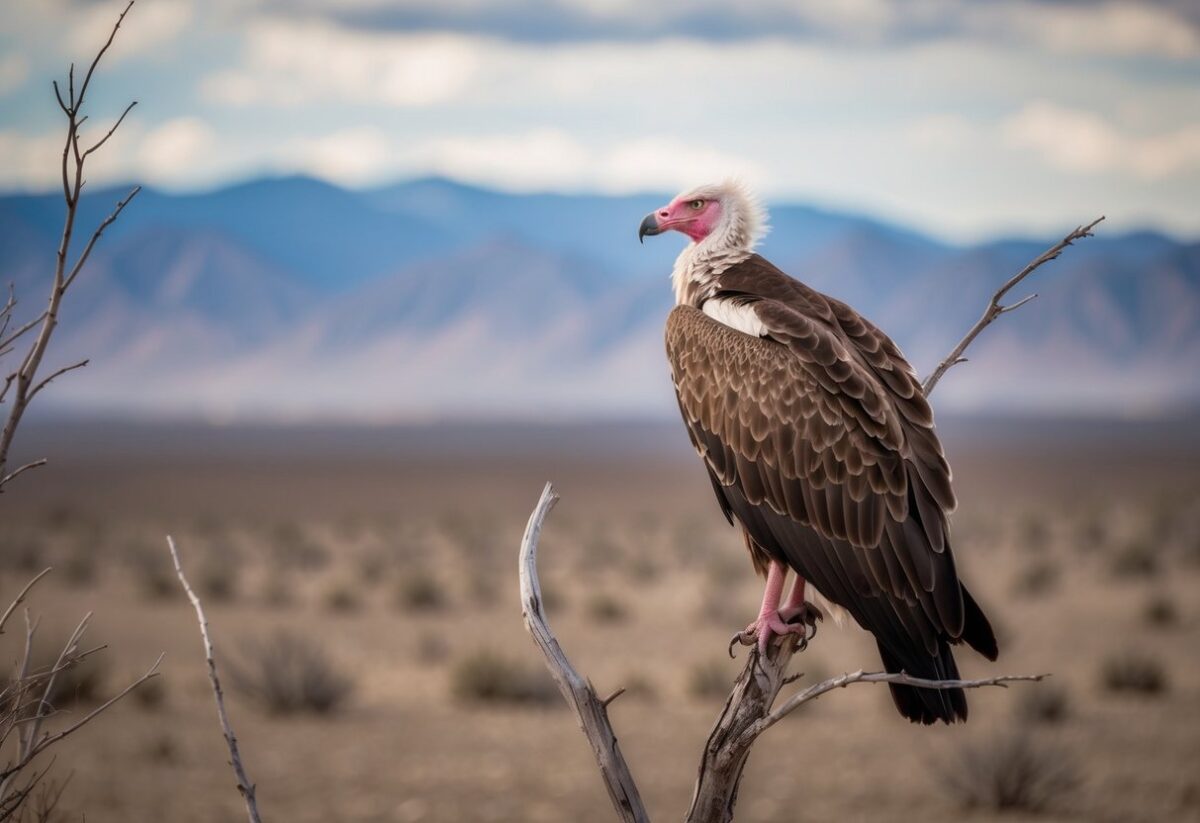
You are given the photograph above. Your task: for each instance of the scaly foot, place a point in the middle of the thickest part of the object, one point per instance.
(769, 625)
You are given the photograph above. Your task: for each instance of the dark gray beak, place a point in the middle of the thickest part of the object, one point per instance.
(649, 227)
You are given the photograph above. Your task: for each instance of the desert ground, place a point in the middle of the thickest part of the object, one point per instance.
(394, 569)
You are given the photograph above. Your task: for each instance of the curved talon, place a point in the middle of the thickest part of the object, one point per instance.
(745, 638)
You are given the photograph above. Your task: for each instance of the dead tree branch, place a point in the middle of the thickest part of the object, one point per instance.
(590, 710)
(23, 380)
(995, 308)
(245, 787)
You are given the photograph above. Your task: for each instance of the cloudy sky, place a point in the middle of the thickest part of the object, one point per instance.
(965, 119)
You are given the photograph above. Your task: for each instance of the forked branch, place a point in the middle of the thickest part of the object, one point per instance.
(995, 307)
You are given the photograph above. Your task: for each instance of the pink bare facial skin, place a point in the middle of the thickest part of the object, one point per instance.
(683, 216)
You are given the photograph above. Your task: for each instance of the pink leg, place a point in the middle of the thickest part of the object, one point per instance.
(769, 622)
(795, 601)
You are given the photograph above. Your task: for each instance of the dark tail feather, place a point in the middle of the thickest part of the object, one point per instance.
(977, 631)
(927, 705)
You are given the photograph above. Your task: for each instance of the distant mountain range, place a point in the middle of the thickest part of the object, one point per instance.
(292, 298)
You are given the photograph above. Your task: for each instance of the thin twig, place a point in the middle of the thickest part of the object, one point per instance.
(87, 250)
(59, 373)
(33, 464)
(841, 681)
(111, 131)
(20, 598)
(590, 710)
(995, 308)
(245, 787)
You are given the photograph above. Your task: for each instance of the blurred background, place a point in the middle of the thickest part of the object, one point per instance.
(383, 283)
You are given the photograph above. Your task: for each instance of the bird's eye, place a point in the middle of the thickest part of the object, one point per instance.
(697, 204)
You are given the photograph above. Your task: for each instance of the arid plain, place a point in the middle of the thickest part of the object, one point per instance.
(362, 592)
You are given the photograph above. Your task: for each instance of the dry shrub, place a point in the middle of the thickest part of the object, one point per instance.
(292, 548)
(709, 680)
(277, 591)
(487, 677)
(420, 591)
(24, 553)
(1044, 703)
(217, 581)
(1035, 533)
(606, 608)
(152, 571)
(644, 569)
(1037, 579)
(640, 686)
(151, 695)
(1135, 559)
(1133, 671)
(1009, 773)
(1160, 612)
(432, 648)
(343, 598)
(79, 567)
(287, 673)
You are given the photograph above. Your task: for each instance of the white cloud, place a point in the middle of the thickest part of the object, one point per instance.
(149, 27)
(29, 160)
(538, 159)
(670, 163)
(535, 159)
(14, 70)
(1106, 29)
(176, 150)
(289, 63)
(1084, 143)
(351, 156)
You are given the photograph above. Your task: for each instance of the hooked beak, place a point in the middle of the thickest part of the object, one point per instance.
(649, 227)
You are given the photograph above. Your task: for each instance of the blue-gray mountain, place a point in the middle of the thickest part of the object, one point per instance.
(291, 297)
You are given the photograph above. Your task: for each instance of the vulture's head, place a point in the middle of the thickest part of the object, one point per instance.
(723, 215)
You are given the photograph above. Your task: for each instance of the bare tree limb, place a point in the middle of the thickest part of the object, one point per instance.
(841, 681)
(590, 710)
(108, 221)
(58, 373)
(245, 787)
(995, 308)
(24, 380)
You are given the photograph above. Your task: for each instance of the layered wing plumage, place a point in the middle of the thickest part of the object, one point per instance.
(821, 444)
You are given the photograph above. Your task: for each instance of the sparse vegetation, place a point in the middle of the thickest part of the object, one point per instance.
(488, 677)
(217, 581)
(151, 569)
(1160, 612)
(293, 549)
(420, 591)
(1037, 578)
(342, 597)
(1010, 773)
(1046, 703)
(1133, 671)
(288, 673)
(1135, 559)
(603, 607)
(710, 680)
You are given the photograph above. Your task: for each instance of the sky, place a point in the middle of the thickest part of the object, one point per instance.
(963, 119)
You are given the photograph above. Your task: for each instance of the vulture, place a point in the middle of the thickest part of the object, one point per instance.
(820, 446)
